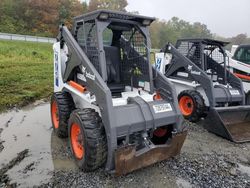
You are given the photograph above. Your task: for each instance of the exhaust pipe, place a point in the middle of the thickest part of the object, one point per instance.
(232, 123)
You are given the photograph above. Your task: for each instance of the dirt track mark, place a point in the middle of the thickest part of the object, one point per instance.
(1, 141)
(29, 167)
(23, 119)
(4, 179)
(7, 123)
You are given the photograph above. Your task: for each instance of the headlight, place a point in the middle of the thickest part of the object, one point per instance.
(146, 22)
(103, 16)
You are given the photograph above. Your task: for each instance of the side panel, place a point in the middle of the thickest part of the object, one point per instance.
(57, 68)
(96, 85)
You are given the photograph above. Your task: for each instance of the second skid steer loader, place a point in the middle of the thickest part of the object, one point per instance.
(239, 64)
(205, 87)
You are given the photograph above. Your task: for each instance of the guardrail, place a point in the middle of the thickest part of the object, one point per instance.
(8, 36)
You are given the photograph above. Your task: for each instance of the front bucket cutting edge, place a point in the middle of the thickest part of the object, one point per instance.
(232, 123)
(127, 160)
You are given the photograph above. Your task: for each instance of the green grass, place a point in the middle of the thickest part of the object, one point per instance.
(26, 72)
(152, 55)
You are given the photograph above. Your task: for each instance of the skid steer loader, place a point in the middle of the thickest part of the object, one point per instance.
(239, 64)
(205, 87)
(108, 100)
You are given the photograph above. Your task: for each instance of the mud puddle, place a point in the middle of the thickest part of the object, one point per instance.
(26, 130)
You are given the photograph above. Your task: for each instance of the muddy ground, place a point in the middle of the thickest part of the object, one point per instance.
(31, 155)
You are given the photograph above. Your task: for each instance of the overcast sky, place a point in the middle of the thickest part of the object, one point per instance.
(223, 17)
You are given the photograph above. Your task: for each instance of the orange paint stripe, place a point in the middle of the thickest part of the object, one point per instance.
(242, 76)
(77, 86)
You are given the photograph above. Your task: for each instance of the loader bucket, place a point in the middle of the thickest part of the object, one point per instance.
(232, 123)
(127, 159)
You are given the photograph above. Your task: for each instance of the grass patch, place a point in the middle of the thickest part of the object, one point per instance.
(152, 55)
(26, 72)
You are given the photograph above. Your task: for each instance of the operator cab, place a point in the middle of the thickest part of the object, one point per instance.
(207, 54)
(124, 59)
(242, 54)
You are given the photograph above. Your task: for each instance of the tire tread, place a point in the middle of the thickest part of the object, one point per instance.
(96, 151)
(65, 106)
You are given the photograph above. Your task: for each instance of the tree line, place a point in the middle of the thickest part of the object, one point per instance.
(42, 18)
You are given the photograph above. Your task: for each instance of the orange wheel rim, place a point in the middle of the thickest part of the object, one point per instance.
(54, 113)
(77, 141)
(186, 105)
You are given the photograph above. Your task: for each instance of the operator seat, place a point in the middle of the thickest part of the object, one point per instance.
(112, 55)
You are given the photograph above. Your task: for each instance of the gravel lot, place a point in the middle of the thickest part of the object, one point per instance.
(31, 155)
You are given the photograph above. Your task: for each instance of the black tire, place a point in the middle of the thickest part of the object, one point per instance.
(198, 107)
(92, 139)
(64, 106)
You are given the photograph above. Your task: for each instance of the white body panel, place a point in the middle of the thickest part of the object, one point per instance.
(60, 59)
(161, 60)
(237, 65)
(233, 49)
(128, 93)
(82, 100)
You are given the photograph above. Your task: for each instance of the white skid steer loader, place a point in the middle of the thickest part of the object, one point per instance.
(205, 86)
